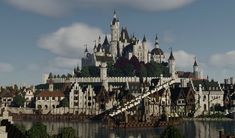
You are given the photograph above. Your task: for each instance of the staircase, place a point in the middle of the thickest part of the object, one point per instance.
(137, 100)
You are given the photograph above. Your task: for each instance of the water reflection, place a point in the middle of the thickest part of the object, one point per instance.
(191, 129)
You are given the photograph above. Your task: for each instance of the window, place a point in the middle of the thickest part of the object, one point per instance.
(204, 98)
(76, 92)
(53, 98)
(75, 103)
(89, 98)
(75, 97)
(47, 98)
(89, 104)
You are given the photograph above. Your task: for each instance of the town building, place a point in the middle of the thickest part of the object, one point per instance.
(208, 96)
(82, 99)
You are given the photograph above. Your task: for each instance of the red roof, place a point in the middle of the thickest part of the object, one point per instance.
(51, 94)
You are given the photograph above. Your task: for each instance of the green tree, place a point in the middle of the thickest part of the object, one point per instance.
(171, 132)
(38, 130)
(85, 72)
(64, 102)
(21, 128)
(18, 101)
(67, 132)
(143, 71)
(94, 71)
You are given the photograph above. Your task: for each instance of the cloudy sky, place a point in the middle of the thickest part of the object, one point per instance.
(42, 36)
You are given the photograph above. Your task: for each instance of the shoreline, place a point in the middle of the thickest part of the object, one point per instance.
(208, 119)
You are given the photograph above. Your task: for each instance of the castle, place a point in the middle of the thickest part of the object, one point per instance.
(121, 45)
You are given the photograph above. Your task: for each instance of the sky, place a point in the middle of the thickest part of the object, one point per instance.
(38, 37)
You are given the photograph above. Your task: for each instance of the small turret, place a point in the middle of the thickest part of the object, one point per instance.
(172, 65)
(86, 51)
(157, 42)
(196, 72)
(144, 39)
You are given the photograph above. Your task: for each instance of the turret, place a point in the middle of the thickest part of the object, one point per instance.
(196, 73)
(115, 34)
(156, 42)
(171, 62)
(86, 51)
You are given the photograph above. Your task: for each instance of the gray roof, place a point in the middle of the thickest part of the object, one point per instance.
(157, 51)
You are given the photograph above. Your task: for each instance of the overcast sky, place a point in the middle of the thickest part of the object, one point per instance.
(42, 36)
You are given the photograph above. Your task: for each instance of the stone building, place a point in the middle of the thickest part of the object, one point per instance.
(208, 95)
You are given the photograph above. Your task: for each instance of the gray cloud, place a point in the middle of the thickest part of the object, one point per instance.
(223, 60)
(6, 67)
(61, 7)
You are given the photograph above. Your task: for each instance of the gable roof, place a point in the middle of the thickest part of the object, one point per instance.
(51, 94)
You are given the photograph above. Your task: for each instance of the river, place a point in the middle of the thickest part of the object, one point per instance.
(190, 129)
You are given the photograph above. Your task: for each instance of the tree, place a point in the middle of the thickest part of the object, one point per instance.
(18, 101)
(135, 62)
(21, 128)
(85, 72)
(64, 102)
(38, 130)
(171, 132)
(94, 71)
(143, 71)
(67, 132)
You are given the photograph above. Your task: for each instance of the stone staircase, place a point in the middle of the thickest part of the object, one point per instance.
(137, 100)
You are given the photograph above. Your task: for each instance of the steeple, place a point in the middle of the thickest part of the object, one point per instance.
(171, 56)
(114, 14)
(99, 40)
(144, 39)
(195, 62)
(156, 42)
(86, 50)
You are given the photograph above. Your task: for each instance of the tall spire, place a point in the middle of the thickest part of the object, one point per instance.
(114, 14)
(171, 56)
(99, 40)
(195, 62)
(144, 39)
(86, 50)
(156, 42)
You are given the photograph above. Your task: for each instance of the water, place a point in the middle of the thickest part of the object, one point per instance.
(190, 129)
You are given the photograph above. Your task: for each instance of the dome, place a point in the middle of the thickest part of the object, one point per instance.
(157, 51)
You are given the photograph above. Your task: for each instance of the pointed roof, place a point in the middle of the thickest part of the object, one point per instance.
(195, 62)
(144, 39)
(106, 42)
(86, 50)
(171, 56)
(115, 19)
(156, 42)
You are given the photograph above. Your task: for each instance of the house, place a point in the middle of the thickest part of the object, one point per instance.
(6, 98)
(182, 101)
(29, 97)
(82, 100)
(49, 99)
(208, 95)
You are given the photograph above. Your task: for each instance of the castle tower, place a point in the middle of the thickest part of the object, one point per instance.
(103, 75)
(196, 73)
(157, 54)
(115, 33)
(51, 86)
(86, 51)
(171, 62)
(156, 42)
(145, 50)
